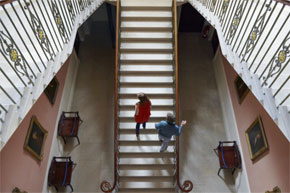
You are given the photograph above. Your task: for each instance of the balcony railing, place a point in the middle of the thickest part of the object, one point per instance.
(36, 38)
(255, 38)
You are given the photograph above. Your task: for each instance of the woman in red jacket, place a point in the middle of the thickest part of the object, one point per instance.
(142, 111)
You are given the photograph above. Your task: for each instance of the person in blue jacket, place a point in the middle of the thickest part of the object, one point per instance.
(166, 129)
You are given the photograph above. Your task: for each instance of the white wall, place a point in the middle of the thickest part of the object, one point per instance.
(241, 178)
(65, 105)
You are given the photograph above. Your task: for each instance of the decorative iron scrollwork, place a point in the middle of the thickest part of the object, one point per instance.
(236, 20)
(70, 10)
(19, 63)
(81, 4)
(58, 20)
(278, 60)
(256, 31)
(224, 8)
(39, 31)
(213, 5)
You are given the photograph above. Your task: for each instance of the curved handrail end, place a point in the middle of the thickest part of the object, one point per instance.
(106, 186)
(187, 186)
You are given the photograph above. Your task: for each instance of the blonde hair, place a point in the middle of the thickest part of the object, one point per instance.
(143, 98)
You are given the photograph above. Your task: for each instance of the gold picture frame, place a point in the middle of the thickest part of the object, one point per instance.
(241, 88)
(276, 189)
(35, 139)
(256, 139)
(51, 90)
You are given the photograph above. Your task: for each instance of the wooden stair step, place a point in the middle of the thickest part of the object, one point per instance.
(146, 178)
(147, 29)
(140, 85)
(146, 155)
(148, 38)
(149, 91)
(133, 132)
(142, 143)
(154, 102)
(145, 50)
(145, 73)
(146, 166)
(153, 107)
(147, 62)
(146, 68)
(145, 190)
(150, 95)
(144, 8)
(136, 18)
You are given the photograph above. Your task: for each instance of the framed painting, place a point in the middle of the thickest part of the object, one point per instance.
(256, 139)
(17, 190)
(35, 139)
(242, 89)
(51, 90)
(276, 189)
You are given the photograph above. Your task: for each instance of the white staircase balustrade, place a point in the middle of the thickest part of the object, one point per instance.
(255, 38)
(36, 38)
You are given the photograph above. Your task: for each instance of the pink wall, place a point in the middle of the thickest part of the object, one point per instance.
(18, 167)
(272, 168)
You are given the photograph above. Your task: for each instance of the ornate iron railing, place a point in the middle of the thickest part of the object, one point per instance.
(255, 38)
(36, 37)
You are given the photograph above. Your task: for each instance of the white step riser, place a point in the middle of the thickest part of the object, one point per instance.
(142, 3)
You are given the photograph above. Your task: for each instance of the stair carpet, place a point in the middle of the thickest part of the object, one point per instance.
(146, 65)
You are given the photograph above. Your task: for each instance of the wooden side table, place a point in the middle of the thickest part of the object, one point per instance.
(60, 172)
(229, 155)
(68, 125)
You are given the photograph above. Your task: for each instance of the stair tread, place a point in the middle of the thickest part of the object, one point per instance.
(150, 24)
(146, 178)
(146, 56)
(146, 155)
(142, 143)
(130, 125)
(146, 165)
(143, 131)
(145, 14)
(156, 91)
(144, 190)
(157, 102)
(146, 45)
(145, 29)
(146, 79)
(146, 8)
(160, 113)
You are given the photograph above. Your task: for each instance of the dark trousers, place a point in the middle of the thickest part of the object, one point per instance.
(138, 127)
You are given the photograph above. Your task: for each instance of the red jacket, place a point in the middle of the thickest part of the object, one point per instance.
(144, 112)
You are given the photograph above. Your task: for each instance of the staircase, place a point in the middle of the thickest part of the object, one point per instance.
(145, 62)
(146, 65)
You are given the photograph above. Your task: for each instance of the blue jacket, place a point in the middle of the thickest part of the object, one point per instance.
(167, 130)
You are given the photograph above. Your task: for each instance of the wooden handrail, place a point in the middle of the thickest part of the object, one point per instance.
(286, 2)
(187, 185)
(105, 185)
(3, 2)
